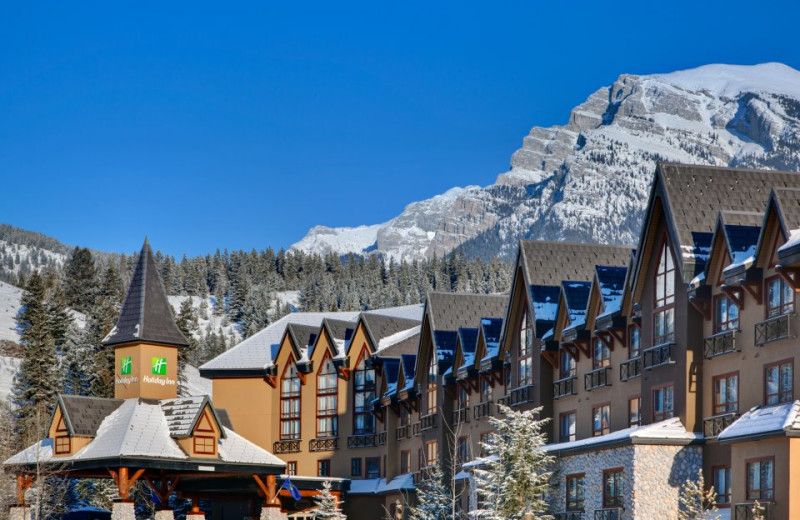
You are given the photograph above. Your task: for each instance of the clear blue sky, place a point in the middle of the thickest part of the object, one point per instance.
(212, 125)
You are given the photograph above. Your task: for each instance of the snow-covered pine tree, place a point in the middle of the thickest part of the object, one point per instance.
(187, 323)
(327, 505)
(759, 511)
(514, 477)
(434, 500)
(696, 502)
(80, 279)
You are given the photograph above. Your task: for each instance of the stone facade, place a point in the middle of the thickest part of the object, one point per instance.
(653, 475)
(272, 513)
(164, 514)
(19, 513)
(123, 510)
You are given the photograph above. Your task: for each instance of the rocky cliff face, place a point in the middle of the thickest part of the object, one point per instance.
(589, 180)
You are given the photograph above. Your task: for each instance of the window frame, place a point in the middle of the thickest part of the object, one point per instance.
(201, 449)
(59, 444)
(363, 413)
(666, 304)
(290, 418)
(666, 414)
(726, 497)
(727, 324)
(750, 494)
(572, 366)
(356, 467)
(291, 467)
(327, 415)
(324, 468)
(431, 388)
(618, 499)
(600, 346)
(405, 457)
(465, 443)
(783, 307)
(578, 503)
(638, 400)
(605, 429)
(525, 349)
(367, 461)
(629, 340)
(781, 392)
(431, 453)
(563, 415)
(723, 408)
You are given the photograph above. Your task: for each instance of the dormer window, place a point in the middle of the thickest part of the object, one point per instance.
(327, 399)
(726, 314)
(566, 365)
(601, 355)
(63, 445)
(525, 351)
(664, 305)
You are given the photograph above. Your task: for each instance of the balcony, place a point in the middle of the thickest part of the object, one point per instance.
(323, 444)
(460, 416)
(381, 438)
(505, 400)
(713, 426)
(569, 515)
(403, 432)
(657, 356)
(773, 329)
(415, 429)
(522, 395)
(720, 343)
(362, 441)
(481, 410)
(744, 511)
(630, 369)
(427, 422)
(290, 446)
(611, 513)
(597, 378)
(564, 387)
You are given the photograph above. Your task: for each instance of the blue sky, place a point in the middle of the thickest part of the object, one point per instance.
(207, 125)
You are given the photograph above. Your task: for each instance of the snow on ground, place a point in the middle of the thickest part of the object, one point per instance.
(10, 252)
(8, 368)
(9, 305)
(196, 385)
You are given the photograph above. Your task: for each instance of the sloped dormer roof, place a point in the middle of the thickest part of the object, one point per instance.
(146, 314)
(183, 413)
(83, 415)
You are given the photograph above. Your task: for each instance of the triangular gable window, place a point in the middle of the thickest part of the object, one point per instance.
(61, 427)
(204, 424)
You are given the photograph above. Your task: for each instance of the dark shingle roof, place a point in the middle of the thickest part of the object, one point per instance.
(146, 314)
(550, 263)
(380, 326)
(224, 418)
(789, 203)
(450, 311)
(83, 415)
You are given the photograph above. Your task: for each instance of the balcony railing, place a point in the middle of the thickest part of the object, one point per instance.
(744, 511)
(481, 410)
(415, 429)
(713, 426)
(461, 416)
(630, 369)
(720, 343)
(362, 441)
(564, 387)
(611, 513)
(597, 378)
(381, 438)
(522, 395)
(773, 329)
(323, 444)
(569, 515)
(505, 400)
(657, 356)
(291, 446)
(403, 432)
(427, 422)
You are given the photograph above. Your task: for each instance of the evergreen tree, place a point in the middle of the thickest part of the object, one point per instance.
(80, 279)
(515, 477)
(187, 323)
(101, 319)
(327, 505)
(759, 512)
(434, 499)
(696, 502)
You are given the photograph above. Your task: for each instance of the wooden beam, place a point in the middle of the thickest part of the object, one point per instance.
(606, 339)
(756, 290)
(271, 380)
(734, 294)
(790, 275)
(272, 487)
(583, 344)
(619, 335)
(135, 477)
(261, 485)
(24, 482)
(123, 485)
(703, 306)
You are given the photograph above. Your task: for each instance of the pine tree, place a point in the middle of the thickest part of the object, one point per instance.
(696, 502)
(327, 504)
(80, 279)
(100, 320)
(434, 500)
(515, 477)
(186, 322)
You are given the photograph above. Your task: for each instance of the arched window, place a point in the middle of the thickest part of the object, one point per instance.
(363, 395)
(290, 402)
(433, 370)
(327, 399)
(525, 350)
(664, 305)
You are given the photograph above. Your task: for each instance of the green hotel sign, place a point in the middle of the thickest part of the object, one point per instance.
(126, 366)
(159, 366)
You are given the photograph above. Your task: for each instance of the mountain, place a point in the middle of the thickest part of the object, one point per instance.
(588, 180)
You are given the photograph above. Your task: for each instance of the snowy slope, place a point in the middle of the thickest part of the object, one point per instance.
(8, 368)
(9, 305)
(588, 180)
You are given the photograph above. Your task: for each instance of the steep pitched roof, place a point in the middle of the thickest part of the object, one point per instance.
(380, 327)
(550, 263)
(146, 314)
(182, 414)
(83, 415)
(450, 311)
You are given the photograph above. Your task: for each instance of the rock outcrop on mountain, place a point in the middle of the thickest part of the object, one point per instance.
(588, 180)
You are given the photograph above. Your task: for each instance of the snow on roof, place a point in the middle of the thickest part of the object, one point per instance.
(611, 281)
(182, 413)
(407, 312)
(763, 421)
(670, 431)
(545, 302)
(379, 486)
(577, 297)
(397, 337)
(236, 449)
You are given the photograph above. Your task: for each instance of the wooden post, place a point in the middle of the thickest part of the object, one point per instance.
(123, 486)
(272, 495)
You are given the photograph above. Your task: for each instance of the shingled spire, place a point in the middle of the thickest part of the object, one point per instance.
(146, 315)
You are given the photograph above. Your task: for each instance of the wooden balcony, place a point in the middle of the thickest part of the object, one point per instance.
(611, 513)
(564, 387)
(460, 416)
(522, 395)
(287, 446)
(362, 441)
(774, 329)
(713, 426)
(720, 343)
(481, 410)
(323, 444)
(597, 378)
(657, 356)
(744, 511)
(427, 422)
(630, 369)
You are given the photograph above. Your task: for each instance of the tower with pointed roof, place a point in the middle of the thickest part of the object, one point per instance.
(146, 338)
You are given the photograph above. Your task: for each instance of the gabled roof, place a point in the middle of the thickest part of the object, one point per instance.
(391, 369)
(763, 422)
(449, 311)
(550, 263)
(408, 363)
(183, 413)
(489, 337)
(610, 281)
(146, 314)
(576, 298)
(465, 350)
(83, 415)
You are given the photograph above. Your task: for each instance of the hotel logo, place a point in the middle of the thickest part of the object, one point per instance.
(159, 366)
(125, 367)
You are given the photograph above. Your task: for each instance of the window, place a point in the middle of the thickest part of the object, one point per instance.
(525, 350)
(405, 417)
(663, 403)
(722, 484)
(431, 453)
(291, 467)
(612, 488)
(567, 366)
(355, 467)
(363, 395)
(664, 310)
(601, 355)
(290, 402)
(507, 379)
(780, 297)
(761, 479)
(462, 450)
(567, 426)
(778, 383)
(205, 445)
(63, 444)
(433, 370)
(634, 411)
(726, 393)
(601, 420)
(327, 400)
(463, 397)
(486, 390)
(405, 461)
(726, 314)
(575, 492)
(634, 341)
(323, 468)
(484, 440)
(373, 467)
